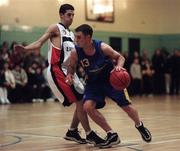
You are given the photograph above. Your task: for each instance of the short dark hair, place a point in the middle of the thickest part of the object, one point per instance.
(63, 8)
(85, 29)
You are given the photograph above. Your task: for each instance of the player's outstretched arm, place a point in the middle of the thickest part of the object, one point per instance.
(36, 46)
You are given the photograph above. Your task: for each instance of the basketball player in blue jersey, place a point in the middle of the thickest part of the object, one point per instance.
(97, 58)
(60, 40)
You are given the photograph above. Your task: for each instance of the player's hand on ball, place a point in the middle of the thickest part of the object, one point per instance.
(119, 68)
(119, 80)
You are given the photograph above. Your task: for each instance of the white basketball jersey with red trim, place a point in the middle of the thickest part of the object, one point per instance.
(60, 55)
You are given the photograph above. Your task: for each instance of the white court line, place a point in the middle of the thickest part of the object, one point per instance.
(126, 141)
(129, 140)
(137, 142)
(166, 141)
(9, 131)
(157, 137)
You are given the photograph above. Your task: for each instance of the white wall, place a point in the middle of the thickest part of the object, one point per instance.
(136, 16)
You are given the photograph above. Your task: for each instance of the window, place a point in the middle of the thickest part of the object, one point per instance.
(100, 10)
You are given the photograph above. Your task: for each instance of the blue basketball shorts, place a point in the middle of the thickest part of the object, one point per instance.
(98, 91)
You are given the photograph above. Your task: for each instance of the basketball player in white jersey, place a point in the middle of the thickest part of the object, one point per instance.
(60, 40)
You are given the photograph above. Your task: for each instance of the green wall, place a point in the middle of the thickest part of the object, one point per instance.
(147, 41)
(170, 41)
(23, 36)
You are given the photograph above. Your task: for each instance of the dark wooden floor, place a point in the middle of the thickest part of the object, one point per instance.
(41, 126)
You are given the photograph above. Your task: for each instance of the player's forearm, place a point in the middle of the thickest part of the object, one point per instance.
(120, 61)
(71, 69)
(38, 44)
(33, 46)
(72, 63)
(70, 75)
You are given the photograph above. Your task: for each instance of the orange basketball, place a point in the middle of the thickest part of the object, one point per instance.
(120, 79)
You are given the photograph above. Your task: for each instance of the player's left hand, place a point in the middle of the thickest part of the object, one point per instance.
(119, 68)
(69, 79)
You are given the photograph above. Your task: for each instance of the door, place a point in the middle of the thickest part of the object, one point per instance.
(116, 43)
(134, 45)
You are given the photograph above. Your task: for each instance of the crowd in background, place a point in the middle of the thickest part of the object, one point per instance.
(156, 75)
(23, 74)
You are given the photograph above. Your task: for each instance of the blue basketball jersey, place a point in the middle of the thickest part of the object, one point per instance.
(98, 66)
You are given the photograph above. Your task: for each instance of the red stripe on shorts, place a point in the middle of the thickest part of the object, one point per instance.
(65, 89)
(55, 56)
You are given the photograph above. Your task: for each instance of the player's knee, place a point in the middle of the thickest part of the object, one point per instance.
(89, 106)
